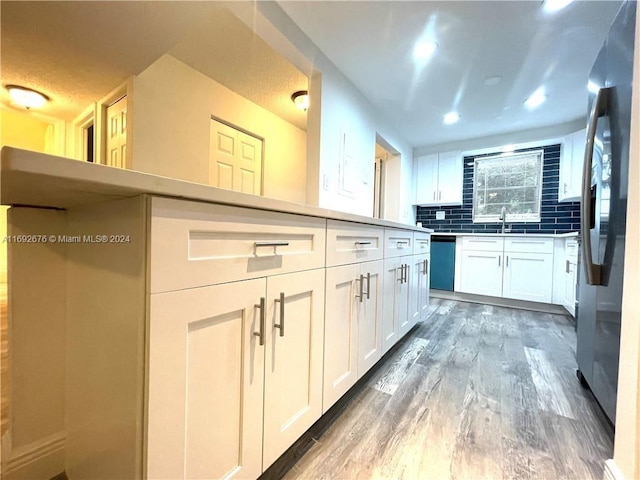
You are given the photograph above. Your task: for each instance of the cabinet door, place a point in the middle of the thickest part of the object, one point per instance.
(419, 297)
(450, 178)
(369, 308)
(293, 365)
(569, 298)
(481, 272)
(396, 300)
(206, 378)
(340, 337)
(527, 276)
(426, 179)
(571, 162)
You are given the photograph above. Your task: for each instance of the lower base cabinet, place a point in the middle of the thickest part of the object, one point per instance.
(235, 375)
(396, 300)
(419, 284)
(352, 326)
(528, 276)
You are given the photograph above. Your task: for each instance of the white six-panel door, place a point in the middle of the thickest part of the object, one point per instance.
(206, 378)
(117, 134)
(294, 356)
(235, 161)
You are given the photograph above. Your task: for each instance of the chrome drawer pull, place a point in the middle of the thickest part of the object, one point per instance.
(361, 295)
(271, 244)
(281, 324)
(263, 319)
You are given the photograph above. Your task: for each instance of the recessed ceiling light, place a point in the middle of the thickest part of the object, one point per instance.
(26, 97)
(301, 99)
(423, 50)
(451, 118)
(492, 81)
(536, 99)
(551, 6)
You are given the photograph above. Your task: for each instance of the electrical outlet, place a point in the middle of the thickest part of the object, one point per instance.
(440, 215)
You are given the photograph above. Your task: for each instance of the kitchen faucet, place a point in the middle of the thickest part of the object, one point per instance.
(503, 217)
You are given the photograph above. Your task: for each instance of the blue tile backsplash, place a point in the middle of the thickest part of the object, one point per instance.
(554, 217)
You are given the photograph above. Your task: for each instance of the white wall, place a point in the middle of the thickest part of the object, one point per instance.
(171, 110)
(337, 108)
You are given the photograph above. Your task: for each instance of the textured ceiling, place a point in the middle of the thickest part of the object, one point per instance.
(77, 52)
(372, 43)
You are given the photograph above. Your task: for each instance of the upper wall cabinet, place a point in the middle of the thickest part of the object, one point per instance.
(571, 161)
(439, 179)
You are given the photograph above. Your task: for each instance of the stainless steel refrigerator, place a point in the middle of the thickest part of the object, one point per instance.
(603, 209)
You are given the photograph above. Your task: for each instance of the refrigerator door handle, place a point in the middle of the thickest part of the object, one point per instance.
(600, 105)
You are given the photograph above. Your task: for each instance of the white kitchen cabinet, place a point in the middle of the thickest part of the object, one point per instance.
(481, 272)
(570, 275)
(511, 267)
(396, 300)
(571, 163)
(353, 330)
(419, 288)
(439, 179)
(210, 344)
(294, 358)
(206, 379)
(527, 276)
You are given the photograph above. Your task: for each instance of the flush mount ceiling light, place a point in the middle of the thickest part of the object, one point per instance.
(551, 6)
(536, 99)
(26, 97)
(423, 50)
(301, 99)
(451, 118)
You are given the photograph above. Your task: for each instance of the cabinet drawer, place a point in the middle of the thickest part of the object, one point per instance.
(528, 245)
(421, 243)
(397, 242)
(571, 250)
(195, 244)
(485, 244)
(349, 242)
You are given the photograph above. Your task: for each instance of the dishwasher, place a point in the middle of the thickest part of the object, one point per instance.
(443, 261)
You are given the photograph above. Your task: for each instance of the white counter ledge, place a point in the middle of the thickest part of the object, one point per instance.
(39, 180)
(471, 234)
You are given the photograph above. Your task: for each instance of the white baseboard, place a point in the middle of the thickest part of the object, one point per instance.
(41, 459)
(499, 301)
(611, 471)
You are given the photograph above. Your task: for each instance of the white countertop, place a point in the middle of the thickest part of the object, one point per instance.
(552, 235)
(39, 180)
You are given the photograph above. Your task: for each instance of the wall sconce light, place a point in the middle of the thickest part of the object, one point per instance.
(301, 99)
(26, 97)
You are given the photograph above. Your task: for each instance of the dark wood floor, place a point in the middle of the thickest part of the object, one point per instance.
(474, 392)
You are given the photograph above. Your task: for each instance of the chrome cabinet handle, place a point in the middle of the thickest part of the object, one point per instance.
(281, 324)
(592, 270)
(368, 285)
(275, 245)
(271, 244)
(401, 267)
(361, 280)
(507, 260)
(263, 320)
(426, 267)
(434, 195)
(363, 243)
(401, 243)
(499, 258)
(440, 195)
(567, 269)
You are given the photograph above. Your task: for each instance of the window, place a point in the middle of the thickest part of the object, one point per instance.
(512, 181)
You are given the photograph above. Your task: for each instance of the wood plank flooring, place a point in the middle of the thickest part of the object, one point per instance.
(474, 392)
